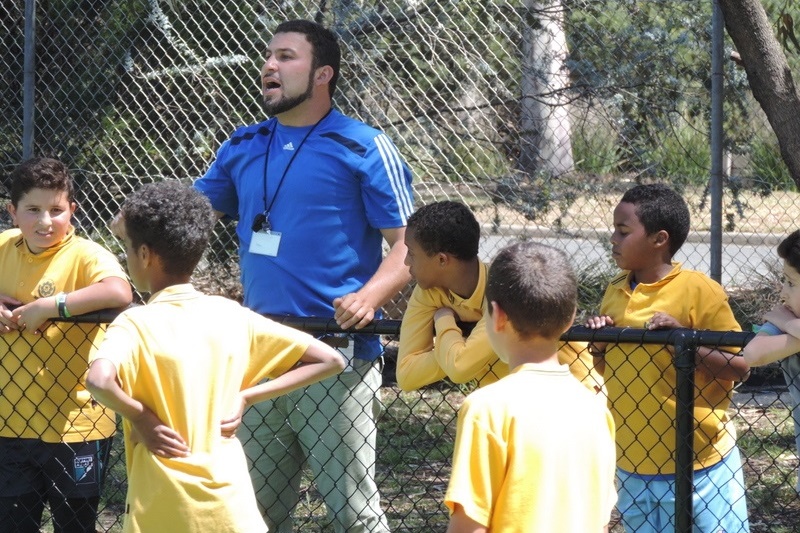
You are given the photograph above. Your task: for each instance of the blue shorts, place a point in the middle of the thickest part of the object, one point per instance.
(647, 503)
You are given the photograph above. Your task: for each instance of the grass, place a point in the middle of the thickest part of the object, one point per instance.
(766, 439)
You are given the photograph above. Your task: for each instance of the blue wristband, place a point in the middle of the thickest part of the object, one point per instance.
(768, 328)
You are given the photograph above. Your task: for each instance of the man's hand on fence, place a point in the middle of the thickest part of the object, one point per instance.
(352, 311)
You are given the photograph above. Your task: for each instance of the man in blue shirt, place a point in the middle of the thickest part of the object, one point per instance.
(315, 194)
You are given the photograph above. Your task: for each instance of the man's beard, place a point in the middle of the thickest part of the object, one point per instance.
(284, 104)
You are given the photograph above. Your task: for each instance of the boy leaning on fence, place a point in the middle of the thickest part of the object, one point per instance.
(651, 222)
(778, 338)
(182, 369)
(442, 240)
(54, 441)
(535, 450)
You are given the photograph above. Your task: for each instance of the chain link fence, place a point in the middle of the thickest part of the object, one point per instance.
(536, 113)
(416, 431)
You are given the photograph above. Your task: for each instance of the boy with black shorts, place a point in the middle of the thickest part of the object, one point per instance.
(54, 441)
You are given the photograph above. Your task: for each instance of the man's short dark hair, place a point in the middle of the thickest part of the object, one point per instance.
(536, 287)
(661, 208)
(789, 250)
(324, 45)
(173, 219)
(448, 227)
(40, 173)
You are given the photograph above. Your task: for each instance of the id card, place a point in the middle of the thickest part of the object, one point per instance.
(265, 243)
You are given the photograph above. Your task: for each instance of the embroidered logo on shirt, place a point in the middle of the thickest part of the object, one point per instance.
(47, 287)
(288, 146)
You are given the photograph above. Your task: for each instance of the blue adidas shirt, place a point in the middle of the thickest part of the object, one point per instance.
(329, 194)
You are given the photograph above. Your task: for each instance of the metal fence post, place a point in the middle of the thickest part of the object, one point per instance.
(717, 135)
(29, 80)
(685, 349)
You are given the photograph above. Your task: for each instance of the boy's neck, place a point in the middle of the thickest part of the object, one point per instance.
(537, 351)
(159, 283)
(465, 276)
(652, 274)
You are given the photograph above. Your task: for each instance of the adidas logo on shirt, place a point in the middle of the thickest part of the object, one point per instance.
(288, 146)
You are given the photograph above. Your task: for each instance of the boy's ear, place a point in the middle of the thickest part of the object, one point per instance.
(443, 259)
(571, 321)
(661, 238)
(13, 212)
(498, 317)
(145, 255)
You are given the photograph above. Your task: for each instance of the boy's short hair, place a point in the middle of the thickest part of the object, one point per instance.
(661, 208)
(789, 250)
(536, 287)
(173, 219)
(324, 45)
(448, 227)
(40, 173)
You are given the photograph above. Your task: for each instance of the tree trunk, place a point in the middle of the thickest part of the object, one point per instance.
(768, 73)
(545, 143)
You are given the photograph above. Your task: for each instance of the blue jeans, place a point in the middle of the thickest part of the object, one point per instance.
(647, 503)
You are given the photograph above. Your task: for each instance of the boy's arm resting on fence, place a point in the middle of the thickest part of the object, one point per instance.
(109, 293)
(461, 358)
(721, 364)
(764, 349)
(102, 383)
(784, 319)
(416, 363)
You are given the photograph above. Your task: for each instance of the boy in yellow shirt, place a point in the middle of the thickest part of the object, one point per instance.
(651, 222)
(54, 442)
(529, 444)
(442, 240)
(182, 369)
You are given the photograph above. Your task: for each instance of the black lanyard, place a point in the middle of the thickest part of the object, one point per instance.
(261, 221)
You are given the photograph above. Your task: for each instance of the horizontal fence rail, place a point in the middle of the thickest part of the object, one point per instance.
(417, 430)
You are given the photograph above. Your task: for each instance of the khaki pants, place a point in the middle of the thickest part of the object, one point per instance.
(331, 427)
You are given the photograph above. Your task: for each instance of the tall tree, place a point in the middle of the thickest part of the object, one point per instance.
(545, 127)
(768, 73)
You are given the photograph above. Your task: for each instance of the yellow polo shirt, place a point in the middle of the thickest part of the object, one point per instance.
(527, 447)
(186, 356)
(641, 378)
(427, 355)
(42, 376)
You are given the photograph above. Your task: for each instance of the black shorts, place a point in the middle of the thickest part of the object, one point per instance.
(74, 469)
